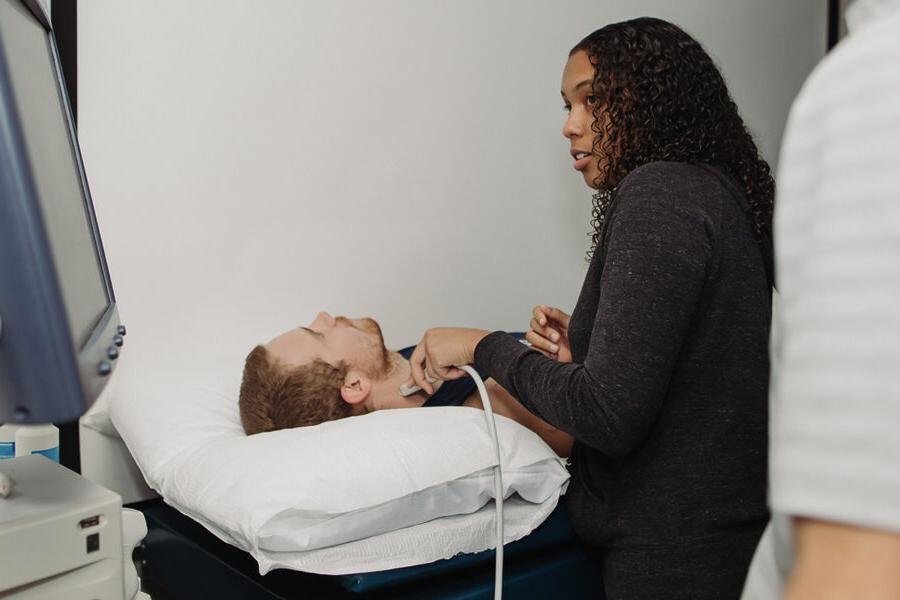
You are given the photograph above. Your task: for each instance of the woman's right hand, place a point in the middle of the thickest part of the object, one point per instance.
(549, 333)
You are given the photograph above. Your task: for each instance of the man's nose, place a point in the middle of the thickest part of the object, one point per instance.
(323, 318)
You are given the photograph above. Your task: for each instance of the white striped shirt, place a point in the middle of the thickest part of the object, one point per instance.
(835, 389)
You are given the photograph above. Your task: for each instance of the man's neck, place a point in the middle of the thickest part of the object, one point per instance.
(386, 392)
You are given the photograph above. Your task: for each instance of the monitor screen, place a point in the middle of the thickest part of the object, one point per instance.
(38, 99)
(59, 331)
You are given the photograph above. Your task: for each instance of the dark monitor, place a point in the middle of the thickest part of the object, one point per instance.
(60, 334)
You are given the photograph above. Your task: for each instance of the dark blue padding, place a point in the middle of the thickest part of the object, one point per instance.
(554, 532)
(181, 559)
(566, 573)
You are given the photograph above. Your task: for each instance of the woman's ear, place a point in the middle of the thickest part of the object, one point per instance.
(356, 387)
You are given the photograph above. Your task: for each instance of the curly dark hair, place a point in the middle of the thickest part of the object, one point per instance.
(662, 98)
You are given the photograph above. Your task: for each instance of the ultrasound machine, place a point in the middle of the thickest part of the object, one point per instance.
(61, 536)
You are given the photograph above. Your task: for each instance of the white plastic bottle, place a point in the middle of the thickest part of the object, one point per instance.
(8, 441)
(38, 439)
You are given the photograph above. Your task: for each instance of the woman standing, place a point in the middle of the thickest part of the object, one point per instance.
(661, 373)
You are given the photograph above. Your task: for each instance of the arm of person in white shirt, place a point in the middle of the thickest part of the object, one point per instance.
(842, 561)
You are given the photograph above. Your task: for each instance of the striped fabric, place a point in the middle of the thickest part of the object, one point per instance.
(835, 446)
(835, 389)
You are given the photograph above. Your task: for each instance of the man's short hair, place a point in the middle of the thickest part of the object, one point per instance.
(275, 396)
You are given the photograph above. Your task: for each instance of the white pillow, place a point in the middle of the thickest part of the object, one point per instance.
(292, 491)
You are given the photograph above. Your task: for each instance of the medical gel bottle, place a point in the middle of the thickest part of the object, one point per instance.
(8, 441)
(38, 439)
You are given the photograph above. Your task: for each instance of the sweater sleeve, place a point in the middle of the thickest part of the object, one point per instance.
(655, 266)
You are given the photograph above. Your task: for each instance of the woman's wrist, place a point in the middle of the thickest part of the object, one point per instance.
(476, 336)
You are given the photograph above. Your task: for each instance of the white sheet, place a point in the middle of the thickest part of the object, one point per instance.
(438, 539)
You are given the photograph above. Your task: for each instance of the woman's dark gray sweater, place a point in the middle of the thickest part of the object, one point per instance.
(667, 392)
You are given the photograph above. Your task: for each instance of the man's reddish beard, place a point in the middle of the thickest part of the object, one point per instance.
(381, 356)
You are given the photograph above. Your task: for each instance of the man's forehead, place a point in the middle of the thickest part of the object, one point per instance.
(297, 333)
(297, 345)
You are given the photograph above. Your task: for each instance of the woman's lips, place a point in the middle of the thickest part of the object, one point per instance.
(582, 160)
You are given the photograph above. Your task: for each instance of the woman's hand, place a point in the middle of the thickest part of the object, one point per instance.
(550, 332)
(440, 350)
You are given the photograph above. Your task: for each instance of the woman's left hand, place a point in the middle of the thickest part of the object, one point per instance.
(439, 352)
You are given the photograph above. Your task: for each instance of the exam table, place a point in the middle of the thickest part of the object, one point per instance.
(180, 559)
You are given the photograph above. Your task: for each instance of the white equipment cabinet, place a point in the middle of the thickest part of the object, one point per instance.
(61, 536)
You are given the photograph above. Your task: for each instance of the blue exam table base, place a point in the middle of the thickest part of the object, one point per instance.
(183, 560)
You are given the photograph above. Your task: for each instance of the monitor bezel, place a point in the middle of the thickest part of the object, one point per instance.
(43, 301)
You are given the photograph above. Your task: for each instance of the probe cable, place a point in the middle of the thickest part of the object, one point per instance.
(498, 478)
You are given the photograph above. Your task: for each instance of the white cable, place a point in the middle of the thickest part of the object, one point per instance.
(498, 478)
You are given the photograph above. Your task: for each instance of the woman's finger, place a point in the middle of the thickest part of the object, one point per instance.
(539, 314)
(537, 341)
(543, 338)
(417, 368)
(541, 343)
(557, 315)
(548, 332)
(455, 373)
(435, 371)
(544, 352)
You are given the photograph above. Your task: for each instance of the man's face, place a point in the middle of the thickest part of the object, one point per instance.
(356, 342)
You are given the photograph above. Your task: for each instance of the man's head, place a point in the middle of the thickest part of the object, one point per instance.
(312, 374)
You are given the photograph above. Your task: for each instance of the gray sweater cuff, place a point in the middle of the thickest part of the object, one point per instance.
(496, 353)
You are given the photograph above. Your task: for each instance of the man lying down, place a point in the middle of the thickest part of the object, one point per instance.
(339, 367)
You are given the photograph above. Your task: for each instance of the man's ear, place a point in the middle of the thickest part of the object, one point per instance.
(356, 387)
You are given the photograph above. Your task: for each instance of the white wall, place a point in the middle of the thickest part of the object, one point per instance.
(254, 162)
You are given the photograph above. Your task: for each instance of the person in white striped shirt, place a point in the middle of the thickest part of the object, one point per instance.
(835, 393)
